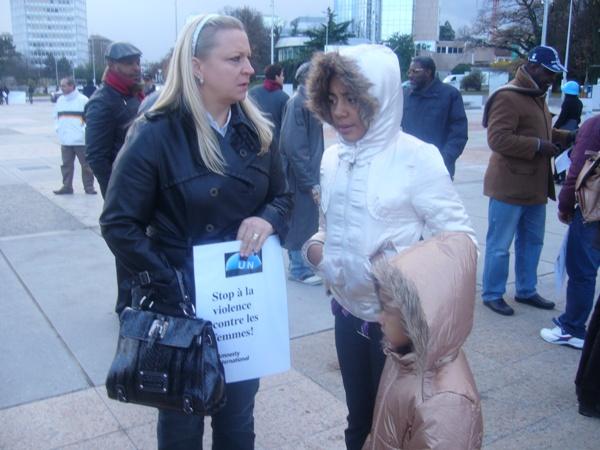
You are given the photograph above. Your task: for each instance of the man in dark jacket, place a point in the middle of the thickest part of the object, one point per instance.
(89, 89)
(112, 108)
(109, 113)
(434, 112)
(270, 97)
(301, 144)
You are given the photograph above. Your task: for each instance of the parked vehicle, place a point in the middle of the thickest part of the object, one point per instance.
(454, 80)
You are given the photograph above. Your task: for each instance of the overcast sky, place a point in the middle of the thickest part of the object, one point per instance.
(150, 24)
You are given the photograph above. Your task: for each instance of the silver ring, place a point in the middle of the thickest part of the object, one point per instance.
(255, 236)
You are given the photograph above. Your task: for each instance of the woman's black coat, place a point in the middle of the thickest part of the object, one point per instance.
(162, 200)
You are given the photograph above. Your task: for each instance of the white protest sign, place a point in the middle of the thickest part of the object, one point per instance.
(246, 300)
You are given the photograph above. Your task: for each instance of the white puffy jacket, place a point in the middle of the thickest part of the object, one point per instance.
(389, 187)
(69, 118)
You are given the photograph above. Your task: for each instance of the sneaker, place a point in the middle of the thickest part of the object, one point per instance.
(557, 336)
(311, 280)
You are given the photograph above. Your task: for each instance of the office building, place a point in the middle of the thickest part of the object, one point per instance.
(50, 27)
(378, 20)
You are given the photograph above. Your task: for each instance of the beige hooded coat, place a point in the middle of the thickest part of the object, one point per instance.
(427, 399)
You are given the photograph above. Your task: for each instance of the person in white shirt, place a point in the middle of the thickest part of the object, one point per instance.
(70, 127)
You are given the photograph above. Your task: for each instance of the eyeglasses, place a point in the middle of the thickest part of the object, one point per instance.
(415, 71)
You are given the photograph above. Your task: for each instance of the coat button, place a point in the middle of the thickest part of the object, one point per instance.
(210, 228)
(243, 153)
(213, 192)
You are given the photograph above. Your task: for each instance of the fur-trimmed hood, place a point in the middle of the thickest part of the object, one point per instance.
(374, 75)
(432, 286)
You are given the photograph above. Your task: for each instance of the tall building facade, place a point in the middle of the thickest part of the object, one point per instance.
(378, 20)
(426, 24)
(50, 27)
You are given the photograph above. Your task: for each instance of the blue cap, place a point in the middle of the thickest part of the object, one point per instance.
(571, 88)
(547, 57)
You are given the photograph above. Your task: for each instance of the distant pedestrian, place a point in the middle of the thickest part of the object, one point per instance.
(30, 91)
(70, 126)
(301, 145)
(270, 98)
(378, 186)
(4, 92)
(571, 108)
(149, 86)
(109, 113)
(518, 179)
(89, 89)
(583, 256)
(427, 397)
(434, 112)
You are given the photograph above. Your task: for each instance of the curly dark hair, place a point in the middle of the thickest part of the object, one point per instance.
(325, 66)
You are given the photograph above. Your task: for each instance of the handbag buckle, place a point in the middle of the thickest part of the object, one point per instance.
(158, 329)
(157, 382)
(187, 405)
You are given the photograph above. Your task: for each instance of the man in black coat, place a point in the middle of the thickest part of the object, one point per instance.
(270, 97)
(434, 112)
(112, 108)
(109, 113)
(301, 144)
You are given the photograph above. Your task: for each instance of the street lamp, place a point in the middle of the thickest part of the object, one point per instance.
(545, 22)
(55, 68)
(272, 31)
(93, 61)
(568, 37)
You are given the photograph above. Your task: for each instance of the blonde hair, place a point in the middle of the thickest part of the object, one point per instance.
(181, 88)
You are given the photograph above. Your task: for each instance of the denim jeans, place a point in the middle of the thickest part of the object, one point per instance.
(526, 225)
(361, 361)
(233, 426)
(582, 262)
(298, 268)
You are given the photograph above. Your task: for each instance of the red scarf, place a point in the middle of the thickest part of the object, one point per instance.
(271, 85)
(121, 84)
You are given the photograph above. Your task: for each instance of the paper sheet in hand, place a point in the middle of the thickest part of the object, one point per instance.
(246, 300)
(560, 266)
(562, 162)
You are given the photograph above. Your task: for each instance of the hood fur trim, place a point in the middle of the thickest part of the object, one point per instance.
(325, 66)
(399, 296)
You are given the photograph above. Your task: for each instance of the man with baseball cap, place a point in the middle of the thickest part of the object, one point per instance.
(519, 179)
(109, 113)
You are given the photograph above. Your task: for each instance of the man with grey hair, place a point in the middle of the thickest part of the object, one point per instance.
(301, 145)
(70, 127)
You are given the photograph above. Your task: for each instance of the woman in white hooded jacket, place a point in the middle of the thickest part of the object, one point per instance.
(380, 189)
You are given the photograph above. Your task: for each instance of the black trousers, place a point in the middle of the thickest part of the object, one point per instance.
(361, 361)
(233, 426)
(588, 374)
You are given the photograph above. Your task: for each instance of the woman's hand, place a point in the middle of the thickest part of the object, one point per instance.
(253, 233)
(314, 254)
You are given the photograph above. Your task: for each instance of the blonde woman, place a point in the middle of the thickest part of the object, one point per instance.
(197, 169)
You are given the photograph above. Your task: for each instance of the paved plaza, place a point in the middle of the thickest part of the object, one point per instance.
(58, 330)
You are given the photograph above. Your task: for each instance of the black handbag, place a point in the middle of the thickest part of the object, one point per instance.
(167, 362)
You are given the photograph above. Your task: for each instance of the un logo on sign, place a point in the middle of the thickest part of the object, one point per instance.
(236, 266)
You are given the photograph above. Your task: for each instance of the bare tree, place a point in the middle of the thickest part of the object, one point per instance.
(515, 25)
(258, 35)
